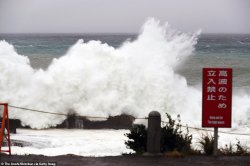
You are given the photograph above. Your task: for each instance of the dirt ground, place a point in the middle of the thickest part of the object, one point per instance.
(128, 160)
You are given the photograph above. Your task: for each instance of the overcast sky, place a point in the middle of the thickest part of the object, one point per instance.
(122, 16)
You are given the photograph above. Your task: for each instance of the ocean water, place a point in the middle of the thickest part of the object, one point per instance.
(212, 50)
(110, 74)
(55, 142)
(42, 48)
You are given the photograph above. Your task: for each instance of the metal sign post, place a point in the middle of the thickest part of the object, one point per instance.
(217, 100)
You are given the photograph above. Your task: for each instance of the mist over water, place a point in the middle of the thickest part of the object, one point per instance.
(96, 79)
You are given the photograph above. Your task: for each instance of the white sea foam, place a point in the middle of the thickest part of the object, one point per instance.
(55, 142)
(95, 79)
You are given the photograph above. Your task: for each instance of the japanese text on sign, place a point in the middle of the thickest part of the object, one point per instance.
(217, 97)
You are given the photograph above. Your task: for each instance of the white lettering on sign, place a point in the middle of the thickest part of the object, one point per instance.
(216, 117)
(222, 105)
(222, 89)
(211, 81)
(222, 97)
(223, 73)
(223, 81)
(217, 97)
(211, 89)
(215, 122)
(211, 97)
(211, 73)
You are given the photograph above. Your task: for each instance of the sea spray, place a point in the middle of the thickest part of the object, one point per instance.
(95, 79)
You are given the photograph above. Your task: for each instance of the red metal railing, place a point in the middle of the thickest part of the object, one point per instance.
(5, 125)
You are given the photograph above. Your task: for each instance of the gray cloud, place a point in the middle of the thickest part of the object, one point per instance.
(86, 16)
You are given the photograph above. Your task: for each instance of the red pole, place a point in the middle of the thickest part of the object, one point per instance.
(8, 127)
(5, 118)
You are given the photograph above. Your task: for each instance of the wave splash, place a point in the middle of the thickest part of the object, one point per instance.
(95, 79)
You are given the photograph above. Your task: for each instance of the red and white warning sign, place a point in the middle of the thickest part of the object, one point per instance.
(217, 97)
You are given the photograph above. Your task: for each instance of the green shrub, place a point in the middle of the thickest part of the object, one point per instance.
(240, 150)
(227, 150)
(137, 139)
(206, 142)
(172, 138)
(230, 150)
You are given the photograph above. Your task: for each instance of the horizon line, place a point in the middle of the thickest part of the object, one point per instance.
(107, 33)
